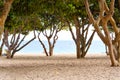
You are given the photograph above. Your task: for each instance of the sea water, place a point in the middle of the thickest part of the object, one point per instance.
(62, 46)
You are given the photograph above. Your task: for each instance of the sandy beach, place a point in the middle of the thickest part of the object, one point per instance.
(66, 67)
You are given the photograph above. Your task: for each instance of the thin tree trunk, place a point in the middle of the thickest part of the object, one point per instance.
(50, 46)
(78, 49)
(1, 47)
(119, 52)
(42, 45)
(0, 52)
(106, 50)
(87, 45)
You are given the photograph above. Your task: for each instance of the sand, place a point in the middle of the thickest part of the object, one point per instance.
(66, 67)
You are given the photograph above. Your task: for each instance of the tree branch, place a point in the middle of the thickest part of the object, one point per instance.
(42, 44)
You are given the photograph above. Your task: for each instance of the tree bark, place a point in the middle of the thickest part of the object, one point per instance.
(51, 51)
(105, 15)
(119, 52)
(5, 11)
(80, 39)
(77, 26)
(87, 45)
(50, 47)
(8, 54)
(43, 45)
(1, 47)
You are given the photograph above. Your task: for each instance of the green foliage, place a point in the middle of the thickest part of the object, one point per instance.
(117, 13)
(1, 6)
(25, 24)
(26, 7)
(117, 16)
(42, 14)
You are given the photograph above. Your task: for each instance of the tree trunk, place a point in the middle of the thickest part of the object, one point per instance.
(12, 55)
(106, 50)
(8, 54)
(3, 17)
(0, 52)
(43, 45)
(50, 47)
(86, 45)
(51, 51)
(78, 49)
(119, 52)
(112, 56)
(1, 47)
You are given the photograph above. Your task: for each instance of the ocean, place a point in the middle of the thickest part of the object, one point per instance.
(62, 46)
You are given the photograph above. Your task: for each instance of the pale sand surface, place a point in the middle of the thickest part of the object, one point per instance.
(66, 67)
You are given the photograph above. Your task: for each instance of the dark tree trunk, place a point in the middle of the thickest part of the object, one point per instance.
(12, 55)
(51, 51)
(118, 53)
(1, 47)
(8, 54)
(78, 49)
(0, 52)
(43, 45)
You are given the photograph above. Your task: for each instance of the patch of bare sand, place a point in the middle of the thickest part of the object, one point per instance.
(93, 67)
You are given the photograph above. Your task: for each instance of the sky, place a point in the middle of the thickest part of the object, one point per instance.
(66, 35)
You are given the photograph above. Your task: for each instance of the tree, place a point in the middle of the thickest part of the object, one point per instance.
(76, 16)
(16, 26)
(102, 19)
(23, 16)
(84, 41)
(15, 43)
(51, 26)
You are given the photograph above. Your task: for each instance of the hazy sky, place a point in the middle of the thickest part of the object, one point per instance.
(65, 35)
